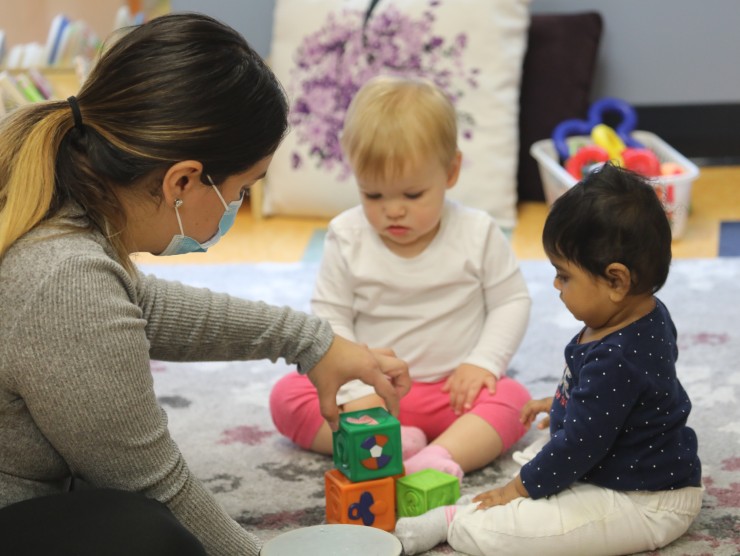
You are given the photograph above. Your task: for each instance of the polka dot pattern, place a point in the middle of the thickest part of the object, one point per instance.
(621, 402)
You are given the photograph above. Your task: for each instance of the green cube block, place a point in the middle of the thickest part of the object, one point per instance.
(421, 491)
(367, 445)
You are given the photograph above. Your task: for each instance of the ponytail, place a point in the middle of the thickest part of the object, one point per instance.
(29, 142)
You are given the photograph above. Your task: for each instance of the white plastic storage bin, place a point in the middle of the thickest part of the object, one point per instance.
(674, 191)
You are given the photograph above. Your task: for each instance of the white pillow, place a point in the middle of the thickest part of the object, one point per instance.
(473, 49)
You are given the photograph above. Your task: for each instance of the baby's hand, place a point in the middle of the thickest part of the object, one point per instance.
(499, 496)
(464, 385)
(532, 408)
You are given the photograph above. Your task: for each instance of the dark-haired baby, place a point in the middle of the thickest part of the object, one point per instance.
(620, 472)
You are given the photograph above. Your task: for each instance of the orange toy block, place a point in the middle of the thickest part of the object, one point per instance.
(369, 503)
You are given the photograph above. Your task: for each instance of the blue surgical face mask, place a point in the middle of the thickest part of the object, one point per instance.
(182, 244)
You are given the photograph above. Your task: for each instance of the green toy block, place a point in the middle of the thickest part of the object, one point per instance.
(367, 445)
(421, 491)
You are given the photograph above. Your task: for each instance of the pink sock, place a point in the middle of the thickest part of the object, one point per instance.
(413, 440)
(436, 457)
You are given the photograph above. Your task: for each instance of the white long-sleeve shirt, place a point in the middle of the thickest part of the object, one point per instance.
(462, 300)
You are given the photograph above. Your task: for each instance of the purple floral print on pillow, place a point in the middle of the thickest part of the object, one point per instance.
(333, 63)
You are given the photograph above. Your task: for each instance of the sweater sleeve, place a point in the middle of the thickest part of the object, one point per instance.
(184, 323)
(88, 385)
(507, 305)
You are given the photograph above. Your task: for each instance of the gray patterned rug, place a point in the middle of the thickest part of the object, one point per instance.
(219, 416)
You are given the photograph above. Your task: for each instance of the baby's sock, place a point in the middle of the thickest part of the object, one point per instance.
(413, 439)
(424, 532)
(436, 457)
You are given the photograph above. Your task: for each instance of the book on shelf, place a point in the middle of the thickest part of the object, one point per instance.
(41, 82)
(54, 39)
(23, 87)
(66, 41)
(27, 88)
(10, 94)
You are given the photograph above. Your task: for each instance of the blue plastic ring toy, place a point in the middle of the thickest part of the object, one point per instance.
(596, 111)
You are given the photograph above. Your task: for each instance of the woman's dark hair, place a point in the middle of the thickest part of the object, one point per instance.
(612, 215)
(180, 87)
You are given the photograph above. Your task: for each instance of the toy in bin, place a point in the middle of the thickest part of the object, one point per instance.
(643, 152)
(617, 145)
(596, 114)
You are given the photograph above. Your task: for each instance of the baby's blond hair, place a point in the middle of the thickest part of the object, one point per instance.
(394, 123)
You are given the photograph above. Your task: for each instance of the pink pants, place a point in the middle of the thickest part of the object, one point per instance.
(294, 405)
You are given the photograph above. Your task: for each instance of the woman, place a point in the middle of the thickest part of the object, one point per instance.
(176, 121)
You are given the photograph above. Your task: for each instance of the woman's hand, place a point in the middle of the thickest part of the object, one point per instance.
(345, 361)
(465, 384)
(499, 496)
(532, 408)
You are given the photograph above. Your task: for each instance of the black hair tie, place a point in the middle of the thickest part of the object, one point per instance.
(76, 114)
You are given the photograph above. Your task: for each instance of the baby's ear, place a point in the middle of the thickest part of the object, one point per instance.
(620, 281)
(453, 173)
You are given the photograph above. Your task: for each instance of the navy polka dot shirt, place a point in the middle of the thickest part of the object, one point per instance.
(618, 418)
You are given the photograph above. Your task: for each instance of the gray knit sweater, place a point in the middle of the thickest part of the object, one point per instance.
(76, 392)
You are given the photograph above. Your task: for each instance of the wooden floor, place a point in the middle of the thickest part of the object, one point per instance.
(715, 197)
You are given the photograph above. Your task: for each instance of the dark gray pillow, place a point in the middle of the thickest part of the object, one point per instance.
(556, 84)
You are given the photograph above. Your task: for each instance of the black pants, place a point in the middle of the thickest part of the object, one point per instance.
(94, 523)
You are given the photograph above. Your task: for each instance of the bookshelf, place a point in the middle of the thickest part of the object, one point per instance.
(48, 46)
(64, 81)
(25, 86)
(29, 20)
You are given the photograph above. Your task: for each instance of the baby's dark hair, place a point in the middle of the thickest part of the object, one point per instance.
(612, 215)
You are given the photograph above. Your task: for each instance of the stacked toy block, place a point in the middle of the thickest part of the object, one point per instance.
(367, 454)
(367, 483)
(421, 491)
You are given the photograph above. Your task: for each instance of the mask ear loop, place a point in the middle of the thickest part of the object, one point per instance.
(178, 204)
(223, 202)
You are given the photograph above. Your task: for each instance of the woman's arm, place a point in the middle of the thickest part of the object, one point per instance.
(87, 384)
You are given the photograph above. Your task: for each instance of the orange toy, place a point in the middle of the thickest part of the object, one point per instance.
(671, 169)
(370, 503)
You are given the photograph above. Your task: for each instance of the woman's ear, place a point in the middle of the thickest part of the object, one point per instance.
(454, 171)
(180, 179)
(620, 281)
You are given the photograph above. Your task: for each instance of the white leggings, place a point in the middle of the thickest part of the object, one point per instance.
(583, 519)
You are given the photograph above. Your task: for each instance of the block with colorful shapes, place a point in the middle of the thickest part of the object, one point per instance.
(368, 503)
(367, 445)
(424, 490)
